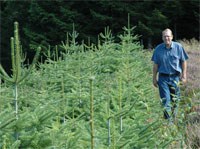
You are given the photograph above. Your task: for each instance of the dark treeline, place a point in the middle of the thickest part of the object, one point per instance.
(47, 22)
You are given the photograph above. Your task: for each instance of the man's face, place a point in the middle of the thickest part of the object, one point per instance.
(167, 37)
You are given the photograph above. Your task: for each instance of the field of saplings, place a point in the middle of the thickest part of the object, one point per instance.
(85, 96)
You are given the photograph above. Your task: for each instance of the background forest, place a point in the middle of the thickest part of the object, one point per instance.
(47, 22)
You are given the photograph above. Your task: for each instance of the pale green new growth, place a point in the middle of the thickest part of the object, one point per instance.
(17, 59)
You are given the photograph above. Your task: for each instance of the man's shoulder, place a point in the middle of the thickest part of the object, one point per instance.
(176, 44)
(160, 46)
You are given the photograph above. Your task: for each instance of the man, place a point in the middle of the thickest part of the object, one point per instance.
(170, 64)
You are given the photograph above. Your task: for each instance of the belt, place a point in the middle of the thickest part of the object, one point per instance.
(169, 75)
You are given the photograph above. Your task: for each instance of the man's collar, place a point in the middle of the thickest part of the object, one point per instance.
(172, 45)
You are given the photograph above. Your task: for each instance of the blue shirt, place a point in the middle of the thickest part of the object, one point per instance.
(169, 60)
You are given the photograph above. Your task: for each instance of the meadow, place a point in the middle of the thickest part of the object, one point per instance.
(90, 96)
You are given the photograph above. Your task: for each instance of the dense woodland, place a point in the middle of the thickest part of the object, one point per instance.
(46, 23)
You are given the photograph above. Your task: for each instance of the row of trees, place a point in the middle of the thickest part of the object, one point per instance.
(47, 22)
(91, 97)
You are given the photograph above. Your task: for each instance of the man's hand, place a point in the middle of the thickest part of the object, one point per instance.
(155, 83)
(155, 70)
(183, 79)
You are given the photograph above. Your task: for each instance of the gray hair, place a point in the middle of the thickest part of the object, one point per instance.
(167, 29)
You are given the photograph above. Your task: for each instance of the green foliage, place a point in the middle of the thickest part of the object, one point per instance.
(19, 74)
(60, 100)
(17, 60)
(47, 22)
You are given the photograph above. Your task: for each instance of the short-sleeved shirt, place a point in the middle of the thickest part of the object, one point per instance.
(169, 60)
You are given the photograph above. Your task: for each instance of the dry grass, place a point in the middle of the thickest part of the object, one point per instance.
(193, 136)
(193, 49)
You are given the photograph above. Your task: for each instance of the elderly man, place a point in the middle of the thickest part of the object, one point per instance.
(170, 64)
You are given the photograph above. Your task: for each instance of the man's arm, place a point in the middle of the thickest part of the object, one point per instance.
(155, 71)
(184, 72)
